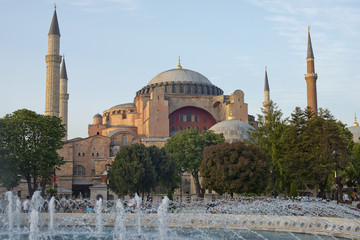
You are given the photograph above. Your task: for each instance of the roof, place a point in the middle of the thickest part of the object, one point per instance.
(63, 74)
(180, 75)
(54, 27)
(124, 105)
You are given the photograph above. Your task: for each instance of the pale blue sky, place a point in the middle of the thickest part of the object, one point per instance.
(115, 47)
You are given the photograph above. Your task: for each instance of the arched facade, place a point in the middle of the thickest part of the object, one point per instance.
(173, 100)
(192, 117)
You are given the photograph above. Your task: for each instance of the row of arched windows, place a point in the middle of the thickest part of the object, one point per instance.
(123, 141)
(173, 129)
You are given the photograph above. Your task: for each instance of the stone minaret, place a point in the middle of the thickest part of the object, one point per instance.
(64, 97)
(311, 77)
(266, 102)
(53, 60)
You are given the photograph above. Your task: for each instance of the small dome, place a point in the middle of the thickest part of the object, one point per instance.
(97, 116)
(180, 75)
(233, 130)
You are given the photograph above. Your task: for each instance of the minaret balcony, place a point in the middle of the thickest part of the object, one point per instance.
(308, 75)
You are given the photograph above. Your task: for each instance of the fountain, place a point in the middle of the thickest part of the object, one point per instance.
(243, 218)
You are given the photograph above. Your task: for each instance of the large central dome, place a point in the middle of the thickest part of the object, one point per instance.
(180, 75)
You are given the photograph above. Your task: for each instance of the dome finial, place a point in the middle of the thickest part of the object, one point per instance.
(231, 117)
(179, 66)
(355, 124)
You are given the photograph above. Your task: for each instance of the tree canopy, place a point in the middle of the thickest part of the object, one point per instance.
(267, 136)
(139, 169)
(28, 145)
(235, 168)
(308, 143)
(186, 149)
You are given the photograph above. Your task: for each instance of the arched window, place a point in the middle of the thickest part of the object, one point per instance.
(172, 129)
(180, 128)
(99, 196)
(79, 170)
(173, 89)
(133, 141)
(172, 118)
(197, 128)
(124, 140)
(181, 118)
(188, 116)
(204, 128)
(196, 117)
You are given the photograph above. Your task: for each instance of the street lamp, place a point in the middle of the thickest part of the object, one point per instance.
(107, 168)
(335, 154)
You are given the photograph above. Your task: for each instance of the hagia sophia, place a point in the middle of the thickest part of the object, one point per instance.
(173, 100)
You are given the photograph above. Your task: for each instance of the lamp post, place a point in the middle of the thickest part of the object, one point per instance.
(335, 154)
(107, 167)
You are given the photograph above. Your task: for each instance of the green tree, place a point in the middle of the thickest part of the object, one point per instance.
(28, 145)
(308, 143)
(166, 171)
(353, 171)
(186, 149)
(132, 170)
(140, 169)
(267, 136)
(235, 168)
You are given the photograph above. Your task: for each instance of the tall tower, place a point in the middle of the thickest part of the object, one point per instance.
(266, 102)
(53, 60)
(311, 77)
(64, 97)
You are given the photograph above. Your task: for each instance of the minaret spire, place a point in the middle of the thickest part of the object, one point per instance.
(311, 77)
(53, 60)
(266, 102)
(54, 27)
(64, 97)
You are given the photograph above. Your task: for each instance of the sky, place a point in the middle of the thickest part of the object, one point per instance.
(113, 48)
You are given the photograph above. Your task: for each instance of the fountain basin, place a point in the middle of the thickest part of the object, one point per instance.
(325, 226)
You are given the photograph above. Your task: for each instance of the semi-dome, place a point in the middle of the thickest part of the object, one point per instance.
(233, 130)
(180, 75)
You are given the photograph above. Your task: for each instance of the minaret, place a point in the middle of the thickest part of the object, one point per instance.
(266, 102)
(311, 77)
(64, 97)
(53, 60)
